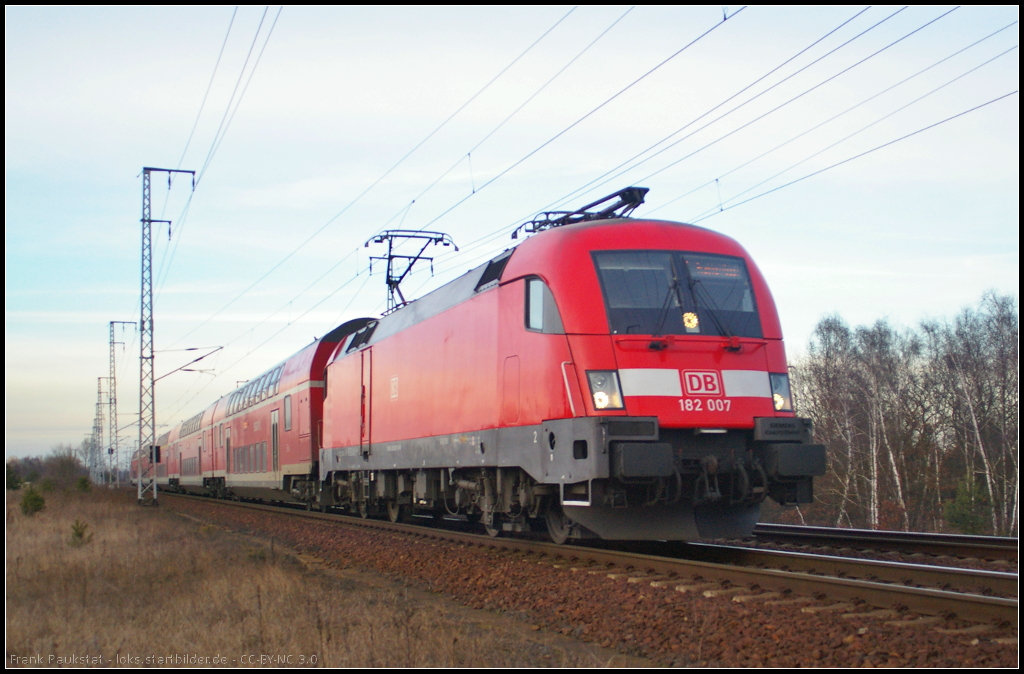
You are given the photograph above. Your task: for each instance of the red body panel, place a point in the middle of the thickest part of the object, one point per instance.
(475, 366)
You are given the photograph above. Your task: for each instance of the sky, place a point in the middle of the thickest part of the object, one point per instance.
(866, 157)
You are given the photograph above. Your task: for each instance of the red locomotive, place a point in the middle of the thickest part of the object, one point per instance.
(610, 377)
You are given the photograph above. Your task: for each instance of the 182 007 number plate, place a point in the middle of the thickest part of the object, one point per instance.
(705, 404)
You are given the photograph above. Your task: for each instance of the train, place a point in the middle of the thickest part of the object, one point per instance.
(606, 377)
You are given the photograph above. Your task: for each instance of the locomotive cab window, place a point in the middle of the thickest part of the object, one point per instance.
(541, 311)
(660, 292)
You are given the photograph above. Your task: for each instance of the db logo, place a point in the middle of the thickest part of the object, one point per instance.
(702, 383)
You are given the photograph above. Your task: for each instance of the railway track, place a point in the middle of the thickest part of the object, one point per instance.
(819, 582)
(953, 545)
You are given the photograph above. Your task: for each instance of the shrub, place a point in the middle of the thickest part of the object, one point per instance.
(968, 511)
(32, 502)
(47, 485)
(13, 479)
(79, 536)
(83, 484)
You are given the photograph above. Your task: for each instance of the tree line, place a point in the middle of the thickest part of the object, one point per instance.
(920, 424)
(60, 469)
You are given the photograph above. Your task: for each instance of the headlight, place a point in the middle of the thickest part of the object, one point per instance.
(604, 389)
(781, 398)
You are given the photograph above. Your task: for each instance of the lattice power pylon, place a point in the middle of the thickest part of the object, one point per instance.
(113, 451)
(94, 461)
(147, 398)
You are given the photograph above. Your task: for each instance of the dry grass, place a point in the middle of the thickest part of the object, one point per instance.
(151, 585)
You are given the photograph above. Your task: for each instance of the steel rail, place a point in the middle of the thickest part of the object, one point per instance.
(982, 547)
(973, 581)
(928, 601)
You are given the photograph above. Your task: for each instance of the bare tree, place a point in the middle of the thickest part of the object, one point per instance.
(921, 425)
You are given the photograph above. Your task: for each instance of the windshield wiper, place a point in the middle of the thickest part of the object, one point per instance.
(673, 289)
(711, 305)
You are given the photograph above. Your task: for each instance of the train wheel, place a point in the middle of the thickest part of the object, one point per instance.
(559, 526)
(363, 509)
(398, 513)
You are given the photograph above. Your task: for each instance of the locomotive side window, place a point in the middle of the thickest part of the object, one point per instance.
(541, 311)
(677, 293)
(287, 413)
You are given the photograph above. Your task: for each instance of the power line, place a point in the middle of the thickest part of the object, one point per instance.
(795, 98)
(259, 57)
(405, 209)
(473, 149)
(441, 264)
(449, 259)
(486, 238)
(227, 109)
(285, 327)
(581, 119)
(583, 188)
(834, 117)
(858, 156)
(208, 86)
(218, 137)
(377, 181)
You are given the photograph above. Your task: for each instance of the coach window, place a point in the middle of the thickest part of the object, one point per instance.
(287, 413)
(541, 310)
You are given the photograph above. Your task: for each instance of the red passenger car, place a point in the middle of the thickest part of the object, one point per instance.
(262, 440)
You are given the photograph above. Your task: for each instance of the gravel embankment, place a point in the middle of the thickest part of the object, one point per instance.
(675, 628)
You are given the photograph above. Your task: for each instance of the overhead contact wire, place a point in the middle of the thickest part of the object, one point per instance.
(862, 154)
(267, 340)
(584, 188)
(208, 87)
(521, 106)
(218, 138)
(584, 117)
(833, 118)
(488, 237)
(377, 181)
(467, 248)
(795, 98)
(863, 128)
